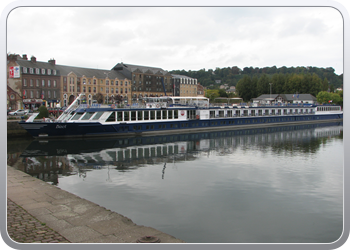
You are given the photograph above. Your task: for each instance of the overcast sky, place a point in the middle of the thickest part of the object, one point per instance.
(189, 38)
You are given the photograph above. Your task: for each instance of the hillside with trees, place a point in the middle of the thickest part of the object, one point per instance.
(252, 82)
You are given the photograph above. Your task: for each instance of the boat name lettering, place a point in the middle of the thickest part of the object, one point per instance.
(61, 126)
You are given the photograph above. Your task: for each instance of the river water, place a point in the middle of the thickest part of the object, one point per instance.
(268, 185)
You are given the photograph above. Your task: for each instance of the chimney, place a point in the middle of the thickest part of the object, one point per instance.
(33, 59)
(24, 57)
(52, 62)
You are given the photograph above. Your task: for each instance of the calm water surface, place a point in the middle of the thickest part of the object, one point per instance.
(272, 185)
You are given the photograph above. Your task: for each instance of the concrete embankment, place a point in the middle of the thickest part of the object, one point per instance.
(60, 216)
(15, 130)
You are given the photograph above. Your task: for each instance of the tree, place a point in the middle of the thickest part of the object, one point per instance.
(98, 97)
(212, 94)
(43, 112)
(327, 97)
(325, 85)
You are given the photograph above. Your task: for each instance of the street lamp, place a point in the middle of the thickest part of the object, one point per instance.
(106, 73)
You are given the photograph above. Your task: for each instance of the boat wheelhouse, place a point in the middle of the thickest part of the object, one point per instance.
(154, 115)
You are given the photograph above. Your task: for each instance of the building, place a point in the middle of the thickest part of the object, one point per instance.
(185, 85)
(285, 98)
(104, 86)
(36, 82)
(146, 81)
(47, 83)
(14, 100)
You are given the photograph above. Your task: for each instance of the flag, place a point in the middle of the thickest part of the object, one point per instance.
(293, 95)
(330, 101)
(298, 96)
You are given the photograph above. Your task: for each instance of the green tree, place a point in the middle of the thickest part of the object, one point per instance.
(263, 86)
(244, 88)
(43, 112)
(212, 94)
(325, 85)
(327, 97)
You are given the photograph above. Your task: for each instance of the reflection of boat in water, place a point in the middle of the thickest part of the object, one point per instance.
(178, 143)
(164, 115)
(80, 155)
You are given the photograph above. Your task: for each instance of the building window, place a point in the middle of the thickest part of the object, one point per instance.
(31, 94)
(37, 94)
(84, 89)
(49, 94)
(107, 82)
(54, 72)
(43, 71)
(49, 83)
(43, 83)
(24, 82)
(31, 82)
(112, 82)
(94, 81)
(54, 94)
(107, 90)
(112, 90)
(49, 71)
(37, 71)
(116, 83)
(54, 83)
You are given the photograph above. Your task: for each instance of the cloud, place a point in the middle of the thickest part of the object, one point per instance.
(181, 37)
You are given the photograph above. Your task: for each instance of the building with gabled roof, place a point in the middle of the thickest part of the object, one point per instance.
(285, 98)
(146, 81)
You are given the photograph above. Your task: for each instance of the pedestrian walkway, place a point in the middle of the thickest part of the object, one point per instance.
(59, 216)
(24, 228)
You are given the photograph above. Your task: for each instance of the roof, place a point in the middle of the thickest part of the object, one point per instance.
(142, 69)
(288, 97)
(65, 70)
(181, 76)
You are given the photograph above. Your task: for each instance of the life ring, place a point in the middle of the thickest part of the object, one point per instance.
(157, 105)
(113, 106)
(197, 116)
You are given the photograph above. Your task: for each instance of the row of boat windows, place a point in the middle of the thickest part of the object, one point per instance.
(230, 113)
(145, 115)
(216, 123)
(129, 115)
(328, 108)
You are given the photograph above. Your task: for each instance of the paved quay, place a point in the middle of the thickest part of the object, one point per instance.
(38, 212)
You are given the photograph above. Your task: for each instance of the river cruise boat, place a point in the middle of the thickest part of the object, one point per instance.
(164, 115)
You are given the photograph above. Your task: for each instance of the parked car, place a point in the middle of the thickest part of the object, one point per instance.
(19, 112)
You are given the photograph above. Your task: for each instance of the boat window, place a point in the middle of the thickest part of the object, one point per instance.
(77, 116)
(126, 115)
(153, 115)
(221, 113)
(159, 115)
(87, 115)
(133, 115)
(164, 115)
(119, 116)
(146, 114)
(212, 114)
(229, 113)
(273, 112)
(260, 112)
(139, 115)
(176, 114)
(266, 112)
(170, 114)
(97, 115)
(252, 113)
(111, 117)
